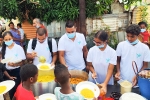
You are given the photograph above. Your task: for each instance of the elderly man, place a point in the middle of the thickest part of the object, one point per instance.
(38, 24)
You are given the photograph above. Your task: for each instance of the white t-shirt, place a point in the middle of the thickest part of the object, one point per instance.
(16, 52)
(128, 53)
(42, 49)
(73, 51)
(21, 33)
(100, 61)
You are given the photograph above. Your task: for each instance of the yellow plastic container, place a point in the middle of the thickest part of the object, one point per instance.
(45, 75)
(126, 86)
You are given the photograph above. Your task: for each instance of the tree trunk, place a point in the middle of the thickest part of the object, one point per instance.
(82, 17)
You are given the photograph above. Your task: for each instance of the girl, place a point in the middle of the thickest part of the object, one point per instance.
(101, 60)
(12, 50)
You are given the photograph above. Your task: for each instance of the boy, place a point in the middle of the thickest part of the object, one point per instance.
(64, 92)
(131, 50)
(28, 74)
(144, 33)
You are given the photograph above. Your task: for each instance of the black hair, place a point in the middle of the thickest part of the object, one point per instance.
(19, 24)
(70, 24)
(142, 22)
(10, 23)
(27, 71)
(4, 45)
(1, 36)
(133, 29)
(41, 31)
(61, 74)
(102, 35)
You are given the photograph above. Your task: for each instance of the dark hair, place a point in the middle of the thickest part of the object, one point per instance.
(27, 71)
(10, 23)
(61, 74)
(41, 31)
(4, 45)
(102, 35)
(133, 29)
(142, 22)
(1, 35)
(19, 24)
(70, 24)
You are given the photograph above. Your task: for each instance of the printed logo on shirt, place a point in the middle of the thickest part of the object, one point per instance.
(107, 60)
(138, 55)
(47, 48)
(16, 55)
(79, 42)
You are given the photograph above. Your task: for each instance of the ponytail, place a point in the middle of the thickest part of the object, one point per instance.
(3, 50)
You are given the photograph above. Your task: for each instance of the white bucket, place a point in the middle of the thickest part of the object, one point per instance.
(126, 86)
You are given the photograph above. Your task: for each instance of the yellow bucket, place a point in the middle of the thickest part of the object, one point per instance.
(45, 75)
(126, 86)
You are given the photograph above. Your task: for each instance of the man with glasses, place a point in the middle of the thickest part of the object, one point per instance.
(72, 48)
(42, 48)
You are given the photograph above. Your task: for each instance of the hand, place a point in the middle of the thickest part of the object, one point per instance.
(117, 76)
(104, 87)
(11, 64)
(34, 54)
(134, 81)
(94, 75)
(12, 78)
(94, 98)
(52, 64)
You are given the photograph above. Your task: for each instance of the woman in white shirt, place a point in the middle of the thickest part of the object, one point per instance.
(13, 51)
(101, 60)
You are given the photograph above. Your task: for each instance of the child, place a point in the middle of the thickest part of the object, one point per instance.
(131, 50)
(1, 41)
(144, 33)
(64, 92)
(28, 74)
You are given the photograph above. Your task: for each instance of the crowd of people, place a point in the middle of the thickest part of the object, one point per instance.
(73, 54)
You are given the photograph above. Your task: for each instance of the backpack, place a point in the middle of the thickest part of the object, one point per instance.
(49, 41)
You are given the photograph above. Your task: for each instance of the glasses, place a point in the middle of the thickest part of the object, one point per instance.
(97, 43)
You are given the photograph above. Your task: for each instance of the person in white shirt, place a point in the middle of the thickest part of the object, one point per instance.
(11, 50)
(101, 60)
(42, 48)
(72, 48)
(131, 50)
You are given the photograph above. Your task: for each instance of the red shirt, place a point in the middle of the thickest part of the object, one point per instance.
(145, 36)
(23, 94)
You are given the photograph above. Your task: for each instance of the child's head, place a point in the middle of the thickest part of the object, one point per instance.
(29, 73)
(19, 25)
(143, 25)
(132, 32)
(61, 74)
(1, 40)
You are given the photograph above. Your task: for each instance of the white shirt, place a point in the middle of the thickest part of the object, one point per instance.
(100, 61)
(16, 52)
(73, 51)
(21, 33)
(128, 53)
(42, 49)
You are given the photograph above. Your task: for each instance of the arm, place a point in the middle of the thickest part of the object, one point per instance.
(117, 75)
(145, 65)
(7, 75)
(17, 39)
(109, 73)
(14, 98)
(54, 57)
(85, 52)
(61, 58)
(29, 56)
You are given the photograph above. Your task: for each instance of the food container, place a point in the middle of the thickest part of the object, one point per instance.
(46, 74)
(78, 76)
(90, 86)
(131, 96)
(126, 86)
(47, 96)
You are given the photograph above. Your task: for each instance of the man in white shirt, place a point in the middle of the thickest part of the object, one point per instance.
(42, 48)
(131, 50)
(72, 48)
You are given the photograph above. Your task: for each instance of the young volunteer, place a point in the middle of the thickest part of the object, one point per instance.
(101, 60)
